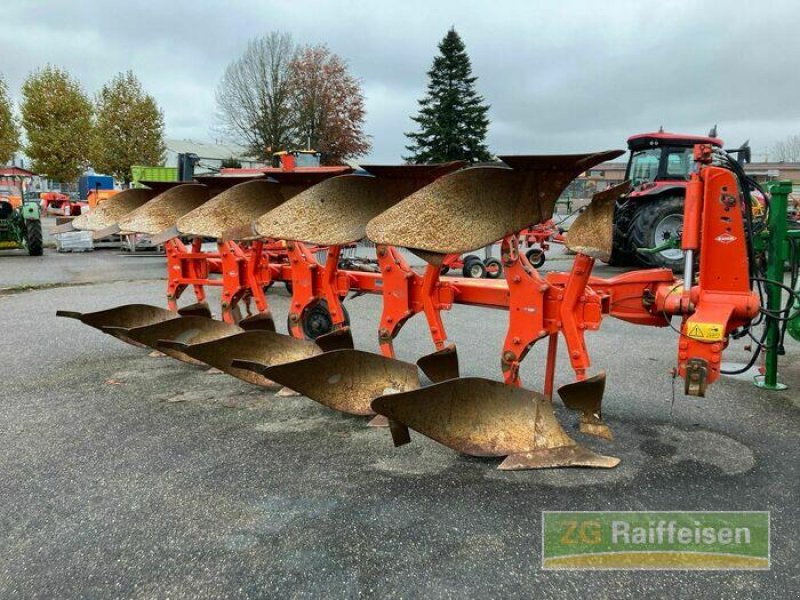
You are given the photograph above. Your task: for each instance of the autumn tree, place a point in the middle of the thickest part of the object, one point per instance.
(57, 117)
(129, 129)
(453, 117)
(9, 132)
(787, 150)
(328, 105)
(254, 96)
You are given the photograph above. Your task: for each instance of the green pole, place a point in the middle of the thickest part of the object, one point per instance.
(794, 324)
(776, 257)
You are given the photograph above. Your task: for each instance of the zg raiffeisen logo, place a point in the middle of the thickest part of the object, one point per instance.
(655, 540)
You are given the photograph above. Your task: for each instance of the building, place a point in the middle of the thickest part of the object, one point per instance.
(775, 171)
(17, 174)
(211, 155)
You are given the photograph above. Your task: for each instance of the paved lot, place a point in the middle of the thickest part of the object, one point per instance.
(124, 475)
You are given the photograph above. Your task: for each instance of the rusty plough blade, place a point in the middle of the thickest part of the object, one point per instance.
(263, 348)
(164, 210)
(587, 397)
(338, 339)
(344, 380)
(440, 365)
(494, 201)
(592, 233)
(233, 208)
(333, 212)
(187, 330)
(119, 320)
(480, 417)
(109, 212)
(258, 322)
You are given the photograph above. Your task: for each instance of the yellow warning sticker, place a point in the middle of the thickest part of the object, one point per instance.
(707, 332)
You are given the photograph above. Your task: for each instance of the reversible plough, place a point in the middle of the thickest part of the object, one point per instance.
(276, 230)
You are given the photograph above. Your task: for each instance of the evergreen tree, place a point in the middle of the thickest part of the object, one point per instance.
(453, 118)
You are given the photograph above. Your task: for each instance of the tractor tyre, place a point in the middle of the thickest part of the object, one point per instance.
(494, 268)
(473, 268)
(621, 256)
(652, 224)
(33, 237)
(536, 257)
(444, 270)
(288, 285)
(317, 320)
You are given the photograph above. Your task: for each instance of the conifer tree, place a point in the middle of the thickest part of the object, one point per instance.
(453, 117)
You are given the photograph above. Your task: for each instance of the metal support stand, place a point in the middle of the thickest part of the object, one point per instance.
(776, 257)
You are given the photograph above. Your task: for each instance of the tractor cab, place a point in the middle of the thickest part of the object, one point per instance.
(292, 159)
(648, 221)
(662, 157)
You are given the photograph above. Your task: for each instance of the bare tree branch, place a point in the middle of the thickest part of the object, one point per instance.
(787, 150)
(253, 97)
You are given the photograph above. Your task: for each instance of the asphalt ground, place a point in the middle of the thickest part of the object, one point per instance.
(124, 475)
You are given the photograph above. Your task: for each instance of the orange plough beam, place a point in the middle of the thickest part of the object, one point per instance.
(539, 306)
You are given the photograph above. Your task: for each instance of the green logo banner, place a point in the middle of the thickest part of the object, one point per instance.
(655, 540)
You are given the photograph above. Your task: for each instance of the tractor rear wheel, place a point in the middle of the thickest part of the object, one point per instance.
(621, 255)
(33, 237)
(653, 224)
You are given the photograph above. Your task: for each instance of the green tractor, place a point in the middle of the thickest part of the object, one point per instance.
(21, 227)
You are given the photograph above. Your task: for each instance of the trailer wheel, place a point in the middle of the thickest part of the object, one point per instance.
(33, 237)
(536, 257)
(494, 268)
(653, 224)
(317, 320)
(474, 268)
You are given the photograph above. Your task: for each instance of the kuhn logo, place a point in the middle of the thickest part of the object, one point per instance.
(725, 238)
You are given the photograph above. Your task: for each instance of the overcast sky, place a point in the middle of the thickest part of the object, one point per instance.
(560, 76)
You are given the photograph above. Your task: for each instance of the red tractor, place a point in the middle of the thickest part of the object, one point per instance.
(648, 220)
